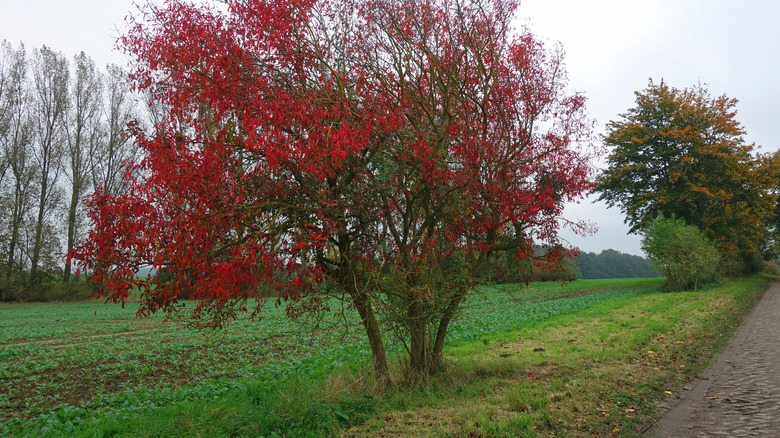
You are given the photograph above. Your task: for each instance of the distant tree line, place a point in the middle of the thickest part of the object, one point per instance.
(506, 267)
(62, 136)
(612, 264)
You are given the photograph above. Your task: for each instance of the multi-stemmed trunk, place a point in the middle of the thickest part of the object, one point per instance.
(425, 358)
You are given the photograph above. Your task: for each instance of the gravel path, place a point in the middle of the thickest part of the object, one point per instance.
(738, 396)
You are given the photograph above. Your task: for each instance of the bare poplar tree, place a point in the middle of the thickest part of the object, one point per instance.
(19, 170)
(84, 132)
(115, 147)
(50, 77)
(6, 52)
(55, 122)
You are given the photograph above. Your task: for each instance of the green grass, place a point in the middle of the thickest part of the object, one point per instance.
(594, 372)
(547, 360)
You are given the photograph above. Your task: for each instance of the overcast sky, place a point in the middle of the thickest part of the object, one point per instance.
(612, 46)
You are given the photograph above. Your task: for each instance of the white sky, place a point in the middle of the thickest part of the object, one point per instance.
(613, 47)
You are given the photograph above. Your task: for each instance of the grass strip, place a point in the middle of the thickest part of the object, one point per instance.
(598, 372)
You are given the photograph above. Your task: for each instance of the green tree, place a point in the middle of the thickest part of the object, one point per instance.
(681, 252)
(681, 153)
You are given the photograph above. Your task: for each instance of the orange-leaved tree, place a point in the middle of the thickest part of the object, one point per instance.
(681, 153)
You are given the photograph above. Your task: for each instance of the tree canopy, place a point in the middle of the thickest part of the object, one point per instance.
(377, 150)
(681, 153)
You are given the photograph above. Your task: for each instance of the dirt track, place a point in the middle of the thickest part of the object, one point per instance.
(739, 395)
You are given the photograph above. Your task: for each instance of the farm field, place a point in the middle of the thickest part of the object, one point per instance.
(92, 369)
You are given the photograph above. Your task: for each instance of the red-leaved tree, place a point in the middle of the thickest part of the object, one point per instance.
(383, 148)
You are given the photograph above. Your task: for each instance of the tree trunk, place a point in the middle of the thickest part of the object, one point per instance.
(378, 356)
(38, 243)
(419, 347)
(441, 332)
(74, 202)
(16, 221)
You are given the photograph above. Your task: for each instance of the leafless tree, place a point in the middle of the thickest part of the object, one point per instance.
(19, 170)
(5, 54)
(50, 91)
(54, 122)
(83, 131)
(115, 146)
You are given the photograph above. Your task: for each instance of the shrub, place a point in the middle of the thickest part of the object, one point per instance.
(681, 252)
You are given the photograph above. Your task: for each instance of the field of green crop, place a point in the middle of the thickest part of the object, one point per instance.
(64, 365)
